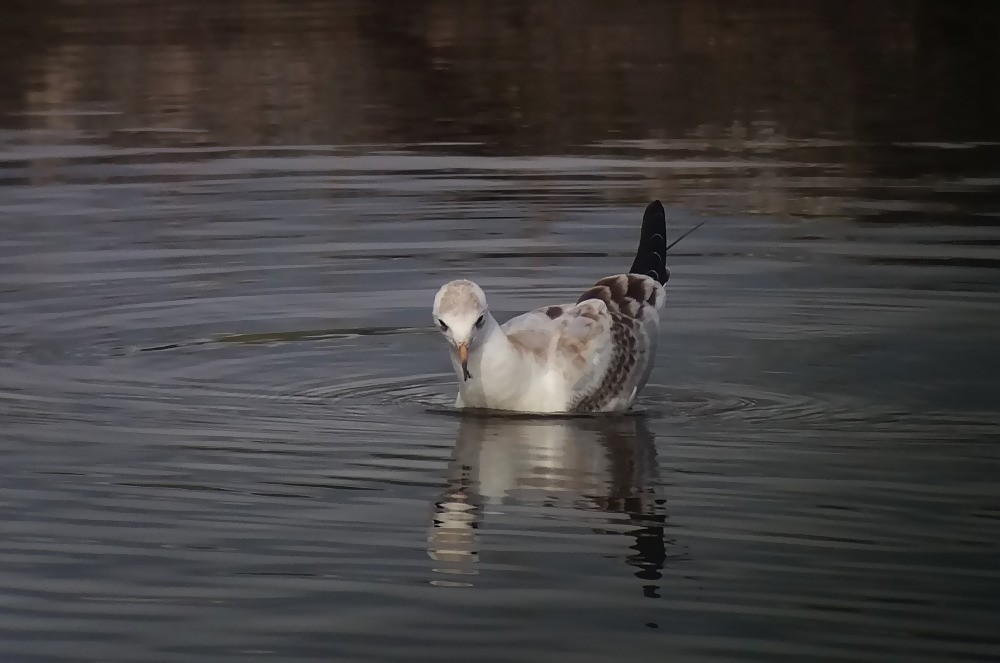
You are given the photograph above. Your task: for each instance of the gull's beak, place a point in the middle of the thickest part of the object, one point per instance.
(463, 356)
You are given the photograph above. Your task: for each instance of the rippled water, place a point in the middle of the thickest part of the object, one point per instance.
(226, 420)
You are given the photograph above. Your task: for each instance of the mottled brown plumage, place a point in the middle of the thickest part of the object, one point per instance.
(628, 298)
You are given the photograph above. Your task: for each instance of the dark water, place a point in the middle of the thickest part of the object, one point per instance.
(225, 417)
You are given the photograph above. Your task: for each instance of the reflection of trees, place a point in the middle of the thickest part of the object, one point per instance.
(594, 465)
(26, 31)
(530, 76)
(713, 77)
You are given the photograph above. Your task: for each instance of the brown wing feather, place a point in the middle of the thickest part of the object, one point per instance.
(626, 293)
(631, 300)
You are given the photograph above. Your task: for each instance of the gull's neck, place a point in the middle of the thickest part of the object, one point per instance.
(493, 347)
(494, 363)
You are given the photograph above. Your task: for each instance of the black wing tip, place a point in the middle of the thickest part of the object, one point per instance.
(651, 256)
(654, 219)
(654, 222)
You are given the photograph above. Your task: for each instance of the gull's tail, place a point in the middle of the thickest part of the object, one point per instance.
(651, 256)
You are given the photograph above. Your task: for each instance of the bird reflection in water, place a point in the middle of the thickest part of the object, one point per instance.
(592, 464)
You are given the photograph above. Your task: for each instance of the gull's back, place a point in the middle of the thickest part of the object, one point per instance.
(600, 351)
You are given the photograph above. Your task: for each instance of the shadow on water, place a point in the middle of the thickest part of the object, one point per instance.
(596, 464)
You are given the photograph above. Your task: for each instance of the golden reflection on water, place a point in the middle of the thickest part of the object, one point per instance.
(714, 96)
(531, 77)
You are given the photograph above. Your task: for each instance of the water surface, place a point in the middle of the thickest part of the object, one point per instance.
(226, 424)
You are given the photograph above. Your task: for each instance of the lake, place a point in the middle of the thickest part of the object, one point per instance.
(227, 422)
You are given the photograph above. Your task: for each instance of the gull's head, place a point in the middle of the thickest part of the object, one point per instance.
(460, 313)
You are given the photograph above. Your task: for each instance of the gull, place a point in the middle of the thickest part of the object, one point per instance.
(591, 356)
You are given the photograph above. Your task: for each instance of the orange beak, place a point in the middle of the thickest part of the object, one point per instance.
(463, 356)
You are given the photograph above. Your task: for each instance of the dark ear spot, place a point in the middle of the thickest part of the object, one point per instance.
(554, 312)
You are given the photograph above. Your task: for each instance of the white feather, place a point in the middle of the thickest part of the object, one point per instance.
(592, 356)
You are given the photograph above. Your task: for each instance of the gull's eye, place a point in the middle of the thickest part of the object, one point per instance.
(443, 326)
(480, 321)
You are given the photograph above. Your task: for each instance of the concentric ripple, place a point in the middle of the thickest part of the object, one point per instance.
(221, 409)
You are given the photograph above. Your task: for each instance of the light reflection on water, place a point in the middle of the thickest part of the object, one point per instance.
(605, 465)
